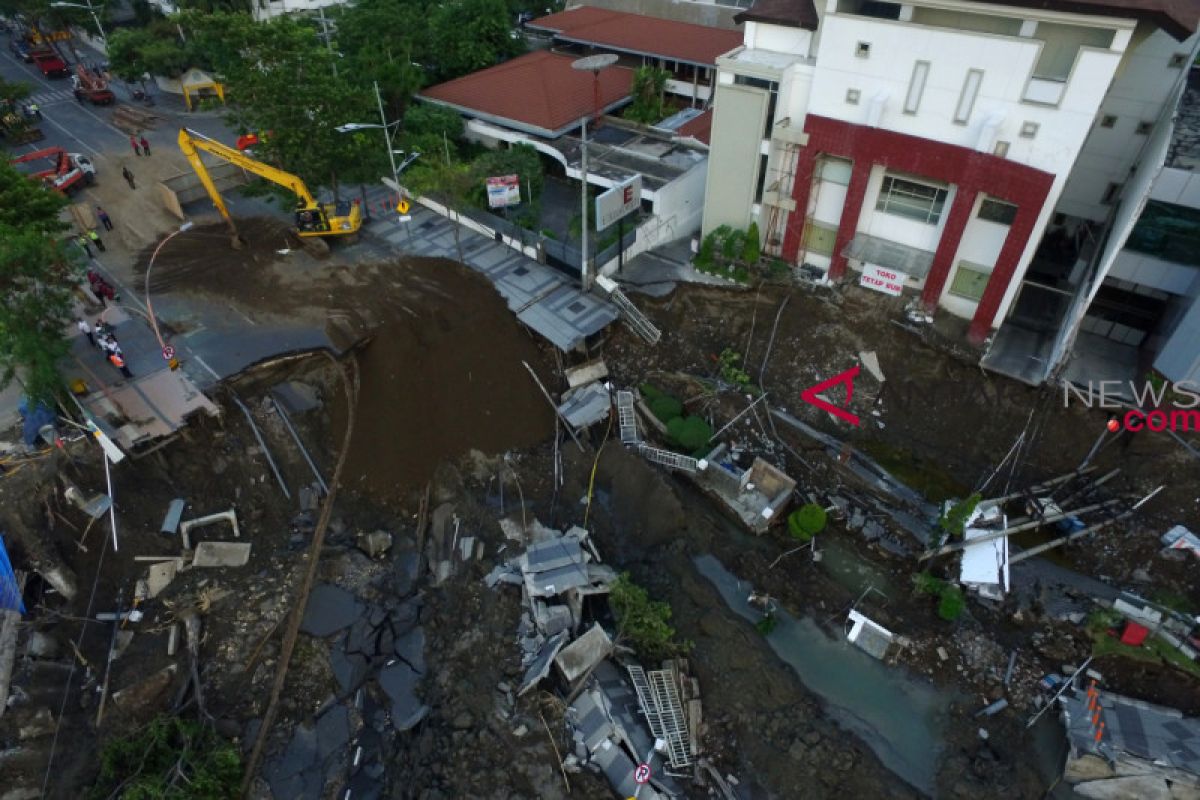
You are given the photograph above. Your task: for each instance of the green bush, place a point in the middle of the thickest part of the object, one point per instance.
(752, 248)
(766, 624)
(690, 433)
(927, 584)
(952, 602)
(644, 622)
(730, 371)
(169, 758)
(733, 245)
(807, 521)
(666, 408)
(955, 519)
(649, 391)
(777, 268)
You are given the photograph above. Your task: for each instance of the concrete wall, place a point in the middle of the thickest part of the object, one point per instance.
(1141, 89)
(738, 120)
(710, 14)
(1179, 359)
(1178, 186)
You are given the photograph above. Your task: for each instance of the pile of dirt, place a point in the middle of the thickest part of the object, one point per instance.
(441, 378)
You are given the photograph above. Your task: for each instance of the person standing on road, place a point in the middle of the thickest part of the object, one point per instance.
(96, 240)
(82, 241)
(86, 330)
(79, 95)
(119, 363)
(145, 145)
(105, 220)
(133, 142)
(128, 176)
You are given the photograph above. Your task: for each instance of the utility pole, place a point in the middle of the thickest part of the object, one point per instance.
(584, 278)
(329, 45)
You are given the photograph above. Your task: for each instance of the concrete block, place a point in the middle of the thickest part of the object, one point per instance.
(221, 554)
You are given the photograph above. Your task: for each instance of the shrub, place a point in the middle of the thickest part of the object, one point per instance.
(927, 584)
(690, 433)
(807, 521)
(766, 624)
(751, 249)
(645, 622)
(666, 408)
(955, 519)
(170, 757)
(951, 604)
(733, 245)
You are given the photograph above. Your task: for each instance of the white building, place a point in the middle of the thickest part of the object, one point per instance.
(930, 145)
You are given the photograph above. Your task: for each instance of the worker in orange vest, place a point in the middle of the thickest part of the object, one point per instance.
(119, 362)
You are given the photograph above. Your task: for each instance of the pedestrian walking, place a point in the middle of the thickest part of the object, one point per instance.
(82, 241)
(128, 176)
(145, 146)
(105, 220)
(133, 142)
(96, 240)
(86, 330)
(79, 96)
(119, 363)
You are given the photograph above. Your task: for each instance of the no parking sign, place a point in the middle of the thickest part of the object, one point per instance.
(642, 773)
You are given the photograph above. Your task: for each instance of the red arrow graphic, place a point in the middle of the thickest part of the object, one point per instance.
(809, 395)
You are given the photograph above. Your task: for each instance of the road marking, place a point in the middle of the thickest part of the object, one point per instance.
(50, 87)
(50, 97)
(204, 364)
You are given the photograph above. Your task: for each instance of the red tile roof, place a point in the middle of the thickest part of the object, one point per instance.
(635, 33)
(699, 128)
(539, 93)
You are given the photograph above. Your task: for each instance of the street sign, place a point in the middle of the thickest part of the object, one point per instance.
(618, 201)
(642, 773)
(503, 191)
(168, 352)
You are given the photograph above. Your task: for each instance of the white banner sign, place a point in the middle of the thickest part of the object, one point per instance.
(503, 191)
(888, 281)
(618, 201)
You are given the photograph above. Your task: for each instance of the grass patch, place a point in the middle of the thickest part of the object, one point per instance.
(1153, 651)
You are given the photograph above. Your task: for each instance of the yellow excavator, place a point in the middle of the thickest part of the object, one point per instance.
(314, 223)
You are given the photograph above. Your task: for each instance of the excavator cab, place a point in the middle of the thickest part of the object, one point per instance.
(342, 218)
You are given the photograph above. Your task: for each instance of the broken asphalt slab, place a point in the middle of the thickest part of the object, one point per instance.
(329, 610)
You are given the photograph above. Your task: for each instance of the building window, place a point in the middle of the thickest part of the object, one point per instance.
(852, 96)
(905, 198)
(869, 8)
(863, 50)
(966, 100)
(916, 87)
(1001, 149)
(997, 211)
(819, 238)
(835, 170)
(1029, 130)
(1177, 61)
(1061, 45)
(970, 281)
(1108, 121)
(1144, 128)
(1110, 194)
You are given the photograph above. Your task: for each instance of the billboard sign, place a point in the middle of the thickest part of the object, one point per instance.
(503, 191)
(618, 201)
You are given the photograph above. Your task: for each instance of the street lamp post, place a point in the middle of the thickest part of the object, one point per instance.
(387, 136)
(592, 64)
(91, 10)
(150, 306)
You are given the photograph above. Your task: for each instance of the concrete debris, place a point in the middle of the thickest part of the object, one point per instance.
(295, 396)
(586, 373)
(869, 636)
(586, 405)
(993, 709)
(577, 658)
(145, 696)
(221, 554)
(507, 572)
(870, 363)
(375, 543)
(172, 639)
(540, 666)
(757, 496)
(170, 523)
(329, 610)
(399, 682)
(1180, 538)
(95, 506)
(42, 724)
(186, 527)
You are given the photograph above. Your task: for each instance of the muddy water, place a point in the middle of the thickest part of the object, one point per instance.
(900, 719)
(854, 573)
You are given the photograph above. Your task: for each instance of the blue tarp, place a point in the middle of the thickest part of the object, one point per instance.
(34, 420)
(10, 592)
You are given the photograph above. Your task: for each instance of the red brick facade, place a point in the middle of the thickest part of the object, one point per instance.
(970, 171)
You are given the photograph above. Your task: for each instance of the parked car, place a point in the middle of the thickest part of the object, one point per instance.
(21, 49)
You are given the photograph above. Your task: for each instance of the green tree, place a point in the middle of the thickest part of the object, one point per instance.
(37, 277)
(469, 35)
(806, 521)
(169, 758)
(649, 89)
(153, 50)
(644, 622)
(14, 91)
(752, 249)
(448, 182)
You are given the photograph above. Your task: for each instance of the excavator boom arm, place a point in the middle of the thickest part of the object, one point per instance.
(190, 141)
